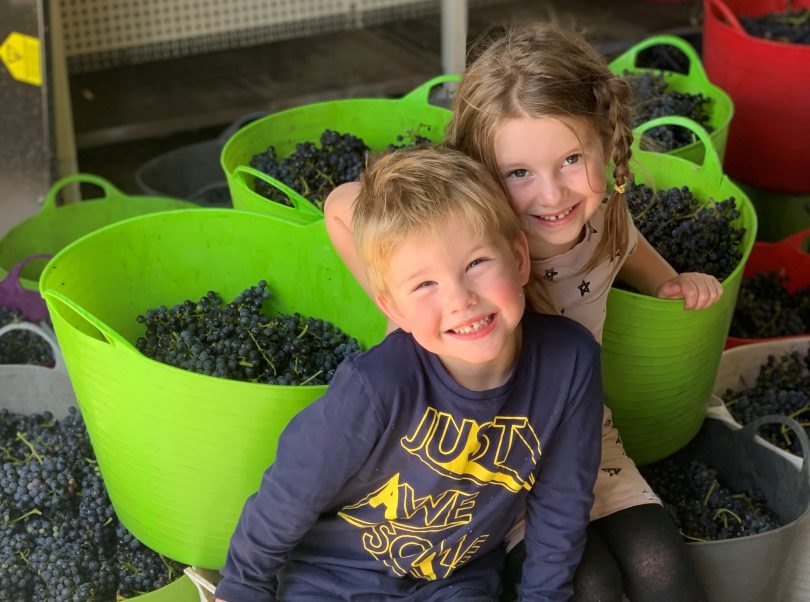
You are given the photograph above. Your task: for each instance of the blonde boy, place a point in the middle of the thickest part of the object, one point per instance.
(403, 480)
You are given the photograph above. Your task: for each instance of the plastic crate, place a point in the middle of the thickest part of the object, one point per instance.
(769, 138)
(790, 257)
(378, 121)
(721, 108)
(179, 451)
(659, 361)
(54, 227)
(192, 172)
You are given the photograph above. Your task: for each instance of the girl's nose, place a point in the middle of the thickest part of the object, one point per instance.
(550, 192)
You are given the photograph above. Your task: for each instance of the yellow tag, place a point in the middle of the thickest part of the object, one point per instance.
(20, 55)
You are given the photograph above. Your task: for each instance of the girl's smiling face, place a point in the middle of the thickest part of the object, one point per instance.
(554, 171)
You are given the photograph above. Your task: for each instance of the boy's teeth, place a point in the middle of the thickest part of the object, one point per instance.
(474, 327)
(554, 218)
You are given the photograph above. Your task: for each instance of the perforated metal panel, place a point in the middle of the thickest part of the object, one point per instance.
(105, 33)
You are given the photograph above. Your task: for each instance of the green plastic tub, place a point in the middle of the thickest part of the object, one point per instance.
(659, 362)
(721, 109)
(180, 452)
(378, 121)
(56, 226)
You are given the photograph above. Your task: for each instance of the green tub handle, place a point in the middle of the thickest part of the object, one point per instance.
(44, 333)
(110, 191)
(711, 160)
(301, 206)
(752, 428)
(106, 334)
(421, 95)
(628, 59)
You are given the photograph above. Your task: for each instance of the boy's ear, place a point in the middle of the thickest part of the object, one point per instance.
(389, 308)
(521, 250)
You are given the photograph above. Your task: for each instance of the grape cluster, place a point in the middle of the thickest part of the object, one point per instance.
(60, 540)
(663, 57)
(782, 387)
(693, 236)
(765, 308)
(791, 26)
(652, 99)
(311, 170)
(237, 341)
(22, 346)
(314, 171)
(702, 507)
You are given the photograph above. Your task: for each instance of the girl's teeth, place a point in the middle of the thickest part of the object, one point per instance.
(554, 218)
(474, 327)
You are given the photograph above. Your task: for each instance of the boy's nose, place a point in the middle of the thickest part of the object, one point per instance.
(461, 297)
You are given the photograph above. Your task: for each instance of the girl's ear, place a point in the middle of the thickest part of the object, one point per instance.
(389, 308)
(521, 250)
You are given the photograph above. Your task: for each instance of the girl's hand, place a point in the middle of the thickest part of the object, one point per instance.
(697, 290)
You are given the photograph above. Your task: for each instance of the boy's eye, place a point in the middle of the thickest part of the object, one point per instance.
(475, 262)
(572, 159)
(424, 284)
(518, 173)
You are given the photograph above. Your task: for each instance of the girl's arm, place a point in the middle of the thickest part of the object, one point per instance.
(648, 272)
(337, 211)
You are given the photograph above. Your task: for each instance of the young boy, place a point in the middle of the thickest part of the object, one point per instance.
(401, 482)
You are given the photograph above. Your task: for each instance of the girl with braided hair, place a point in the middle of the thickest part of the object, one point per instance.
(541, 110)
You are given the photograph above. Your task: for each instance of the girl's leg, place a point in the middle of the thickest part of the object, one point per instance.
(653, 557)
(598, 577)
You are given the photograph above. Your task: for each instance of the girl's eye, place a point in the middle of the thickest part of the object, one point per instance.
(518, 173)
(572, 159)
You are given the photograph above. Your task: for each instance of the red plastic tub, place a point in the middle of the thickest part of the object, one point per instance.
(769, 137)
(789, 255)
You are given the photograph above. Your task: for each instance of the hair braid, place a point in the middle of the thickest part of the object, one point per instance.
(613, 102)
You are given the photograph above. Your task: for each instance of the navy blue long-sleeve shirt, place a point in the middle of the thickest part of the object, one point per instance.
(401, 484)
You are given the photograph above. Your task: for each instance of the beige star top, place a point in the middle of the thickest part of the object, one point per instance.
(579, 295)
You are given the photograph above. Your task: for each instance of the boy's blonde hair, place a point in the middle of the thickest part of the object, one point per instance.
(544, 71)
(415, 191)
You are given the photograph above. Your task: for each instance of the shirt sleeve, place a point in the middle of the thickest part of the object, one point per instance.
(560, 501)
(321, 448)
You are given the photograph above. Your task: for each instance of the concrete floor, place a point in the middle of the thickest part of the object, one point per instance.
(126, 116)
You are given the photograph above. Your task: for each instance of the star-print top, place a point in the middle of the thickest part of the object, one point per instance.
(579, 295)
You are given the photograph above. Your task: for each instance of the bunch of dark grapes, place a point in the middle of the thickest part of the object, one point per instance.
(313, 171)
(702, 507)
(791, 26)
(765, 308)
(652, 99)
(693, 236)
(60, 540)
(239, 342)
(663, 57)
(22, 346)
(782, 387)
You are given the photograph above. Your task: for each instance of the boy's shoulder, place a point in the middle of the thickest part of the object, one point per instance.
(394, 357)
(557, 334)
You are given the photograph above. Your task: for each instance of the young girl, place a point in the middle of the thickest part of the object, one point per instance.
(542, 111)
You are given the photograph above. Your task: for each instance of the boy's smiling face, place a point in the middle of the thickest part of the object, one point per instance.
(461, 296)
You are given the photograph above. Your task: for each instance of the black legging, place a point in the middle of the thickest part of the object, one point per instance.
(636, 552)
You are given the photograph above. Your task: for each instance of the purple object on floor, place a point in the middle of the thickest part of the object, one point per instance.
(13, 295)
